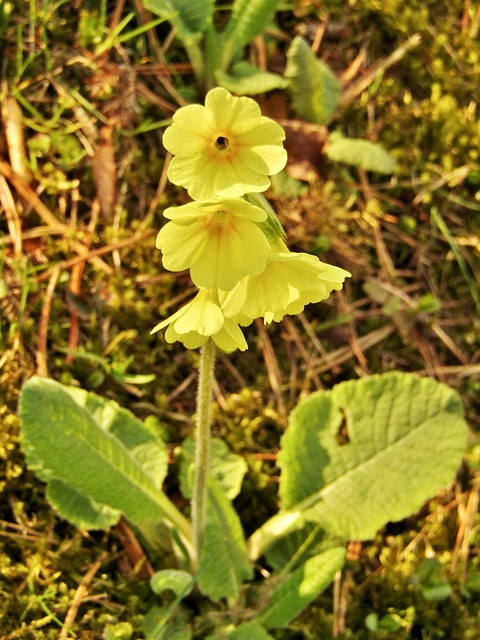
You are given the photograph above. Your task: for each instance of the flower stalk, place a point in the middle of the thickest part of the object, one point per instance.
(202, 443)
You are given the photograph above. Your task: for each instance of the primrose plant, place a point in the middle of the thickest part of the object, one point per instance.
(235, 249)
(367, 452)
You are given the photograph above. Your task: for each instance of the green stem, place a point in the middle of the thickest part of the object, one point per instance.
(202, 443)
(210, 55)
(275, 528)
(196, 58)
(182, 525)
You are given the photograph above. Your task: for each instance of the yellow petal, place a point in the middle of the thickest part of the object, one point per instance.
(289, 282)
(224, 149)
(218, 241)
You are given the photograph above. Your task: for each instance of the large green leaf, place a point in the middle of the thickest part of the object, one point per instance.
(301, 587)
(370, 451)
(245, 79)
(145, 445)
(360, 153)
(247, 20)
(314, 88)
(97, 450)
(83, 512)
(188, 17)
(224, 564)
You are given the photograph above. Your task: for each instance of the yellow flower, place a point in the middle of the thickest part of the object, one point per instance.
(200, 320)
(289, 282)
(224, 149)
(219, 241)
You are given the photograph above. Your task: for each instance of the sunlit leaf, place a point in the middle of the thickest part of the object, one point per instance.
(224, 564)
(245, 79)
(81, 511)
(248, 19)
(96, 449)
(370, 156)
(314, 88)
(301, 587)
(370, 451)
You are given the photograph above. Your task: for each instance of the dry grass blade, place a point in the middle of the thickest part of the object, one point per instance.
(93, 255)
(75, 284)
(47, 216)
(13, 219)
(339, 356)
(14, 134)
(80, 594)
(273, 371)
(104, 172)
(352, 92)
(464, 535)
(41, 353)
(303, 350)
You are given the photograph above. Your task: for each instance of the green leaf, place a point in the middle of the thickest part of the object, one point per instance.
(224, 564)
(96, 448)
(142, 442)
(390, 622)
(119, 631)
(301, 587)
(296, 547)
(314, 88)
(249, 631)
(180, 582)
(437, 592)
(247, 80)
(226, 468)
(188, 17)
(360, 153)
(433, 583)
(167, 622)
(83, 512)
(370, 451)
(247, 20)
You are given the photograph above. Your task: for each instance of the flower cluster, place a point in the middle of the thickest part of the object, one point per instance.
(229, 237)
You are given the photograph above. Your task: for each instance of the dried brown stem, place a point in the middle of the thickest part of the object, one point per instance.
(41, 353)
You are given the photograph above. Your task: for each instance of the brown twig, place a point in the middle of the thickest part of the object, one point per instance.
(138, 561)
(80, 594)
(91, 255)
(337, 357)
(75, 285)
(303, 351)
(116, 14)
(273, 370)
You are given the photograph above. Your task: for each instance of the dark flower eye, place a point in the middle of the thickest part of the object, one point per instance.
(221, 142)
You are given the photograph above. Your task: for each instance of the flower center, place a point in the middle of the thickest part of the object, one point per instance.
(219, 219)
(222, 143)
